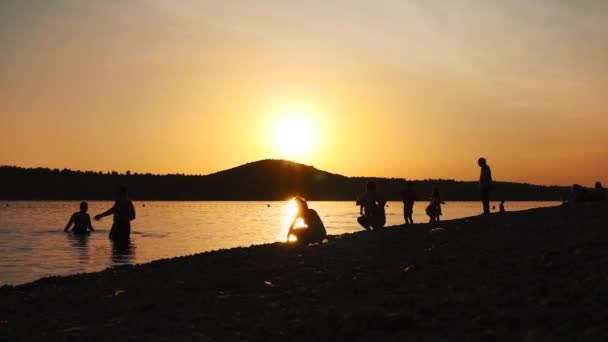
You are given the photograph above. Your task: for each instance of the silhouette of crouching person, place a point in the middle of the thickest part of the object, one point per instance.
(123, 212)
(315, 230)
(371, 208)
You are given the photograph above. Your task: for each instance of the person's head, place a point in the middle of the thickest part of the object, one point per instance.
(502, 201)
(84, 206)
(122, 191)
(481, 161)
(371, 185)
(598, 185)
(435, 191)
(301, 203)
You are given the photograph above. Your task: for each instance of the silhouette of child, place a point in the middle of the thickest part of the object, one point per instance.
(433, 210)
(408, 197)
(81, 220)
(501, 207)
(314, 231)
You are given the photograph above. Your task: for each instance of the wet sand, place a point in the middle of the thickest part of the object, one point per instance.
(536, 275)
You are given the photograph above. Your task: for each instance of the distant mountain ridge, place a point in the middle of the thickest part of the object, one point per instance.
(268, 179)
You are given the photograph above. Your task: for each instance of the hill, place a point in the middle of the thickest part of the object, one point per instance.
(261, 180)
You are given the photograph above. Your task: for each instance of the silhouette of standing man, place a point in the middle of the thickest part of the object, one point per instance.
(124, 212)
(485, 184)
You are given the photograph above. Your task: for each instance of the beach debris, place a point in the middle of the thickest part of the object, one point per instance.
(223, 295)
(72, 329)
(437, 230)
(119, 293)
(408, 268)
(325, 241)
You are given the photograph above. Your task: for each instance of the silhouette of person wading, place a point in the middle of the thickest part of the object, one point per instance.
(371, 208)
(314, 231)
(485, 184)
(81, 220)
(124, 213)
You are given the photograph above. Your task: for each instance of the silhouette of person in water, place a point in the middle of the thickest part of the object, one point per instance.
(408, 197)
(371, 208)
(433, 210)
(314, 231)
(485, 184)
(81, 220)
(501, 206)
(124, 213)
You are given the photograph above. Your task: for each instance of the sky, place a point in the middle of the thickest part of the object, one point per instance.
(408, 89)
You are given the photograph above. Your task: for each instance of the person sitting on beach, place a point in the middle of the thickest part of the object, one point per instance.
(408, 197)
(433, 210)
(124, 213)
(81, 220)
(314, 232)
(599, 193)
(371, 208)
(501, 207)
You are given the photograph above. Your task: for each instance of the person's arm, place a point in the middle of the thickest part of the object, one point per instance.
(70, 222)
(105, 213)
(293, 223)
(89, 223)
(361, 202)
(132, 207)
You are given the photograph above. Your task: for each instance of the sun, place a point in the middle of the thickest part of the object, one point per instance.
(294, 135)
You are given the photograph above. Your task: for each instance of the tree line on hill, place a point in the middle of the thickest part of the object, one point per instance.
(265, 180)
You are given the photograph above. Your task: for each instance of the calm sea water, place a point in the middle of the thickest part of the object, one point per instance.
(33, 244)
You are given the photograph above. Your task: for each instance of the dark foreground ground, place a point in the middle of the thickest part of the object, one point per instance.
(538, 275)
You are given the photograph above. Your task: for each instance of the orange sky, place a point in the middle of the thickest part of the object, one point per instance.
(392, 88)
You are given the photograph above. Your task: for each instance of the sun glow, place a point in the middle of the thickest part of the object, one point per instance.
(294, 135)
(291, 209)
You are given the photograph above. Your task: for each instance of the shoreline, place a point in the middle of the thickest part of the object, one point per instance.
(356, 229)
(480, 277)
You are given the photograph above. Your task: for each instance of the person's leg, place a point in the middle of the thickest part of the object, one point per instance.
(122, 232)
(381, 222)
(301, 235)
(485, 198)
(364, 222)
